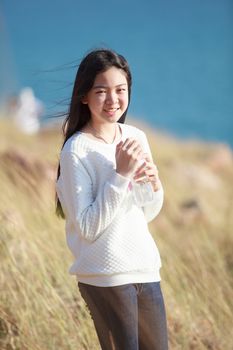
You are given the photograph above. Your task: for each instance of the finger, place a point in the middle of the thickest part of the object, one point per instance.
(141, 174)
(133, 148)
(118, 148)
(131, 144)
(127, 143)
(140, 179)
(152, 172)
(141, 168)
(151, 165)
(119, 144)
(143, 179)
(147, 157)
(145, 171)
(137, 154)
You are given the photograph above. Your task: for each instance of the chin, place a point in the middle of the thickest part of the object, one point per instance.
(113, 119)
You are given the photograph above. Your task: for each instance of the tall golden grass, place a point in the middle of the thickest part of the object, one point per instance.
(40, 307)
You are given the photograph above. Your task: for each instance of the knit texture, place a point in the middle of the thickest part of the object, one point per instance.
(106, 231)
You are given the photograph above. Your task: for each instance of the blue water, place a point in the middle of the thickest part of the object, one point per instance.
(180, 53)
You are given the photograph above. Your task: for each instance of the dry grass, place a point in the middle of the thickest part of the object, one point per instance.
(40, 308)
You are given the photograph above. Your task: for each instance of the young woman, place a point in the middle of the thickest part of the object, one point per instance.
(102, 162)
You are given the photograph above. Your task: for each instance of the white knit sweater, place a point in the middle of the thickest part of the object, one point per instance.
(105, 230)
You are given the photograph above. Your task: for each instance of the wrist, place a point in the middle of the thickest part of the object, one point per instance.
(156, 185)
(123, 174)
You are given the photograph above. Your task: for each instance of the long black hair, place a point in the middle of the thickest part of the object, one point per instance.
(95, 62)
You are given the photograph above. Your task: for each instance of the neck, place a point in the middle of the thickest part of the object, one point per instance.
(105, 132)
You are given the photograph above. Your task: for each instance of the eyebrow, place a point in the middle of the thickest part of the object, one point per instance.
(105, 87)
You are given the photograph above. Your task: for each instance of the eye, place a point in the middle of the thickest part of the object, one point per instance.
(121, 90)
(100, 91)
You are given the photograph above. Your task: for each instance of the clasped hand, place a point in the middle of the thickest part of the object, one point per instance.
(132, 162)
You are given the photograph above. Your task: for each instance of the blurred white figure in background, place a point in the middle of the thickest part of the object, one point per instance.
(28, 111)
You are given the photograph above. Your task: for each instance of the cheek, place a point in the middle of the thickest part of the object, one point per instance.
(99, 100)
(125, 100)
(96, 102)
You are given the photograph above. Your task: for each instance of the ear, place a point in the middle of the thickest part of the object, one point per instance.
(84, 100)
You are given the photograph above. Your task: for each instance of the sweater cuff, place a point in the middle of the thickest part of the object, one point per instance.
(119, 181)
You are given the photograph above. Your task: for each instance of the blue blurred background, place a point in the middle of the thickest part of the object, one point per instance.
(180, 53)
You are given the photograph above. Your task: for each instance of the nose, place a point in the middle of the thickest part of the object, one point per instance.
(111, 98)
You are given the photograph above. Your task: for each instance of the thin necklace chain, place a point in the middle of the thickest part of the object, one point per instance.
(99, 136)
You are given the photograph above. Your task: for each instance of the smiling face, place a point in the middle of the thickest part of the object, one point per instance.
(108, 97)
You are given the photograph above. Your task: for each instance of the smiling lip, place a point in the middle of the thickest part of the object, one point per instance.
(111, 110)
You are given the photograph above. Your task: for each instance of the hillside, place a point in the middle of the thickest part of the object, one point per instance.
(40, 308)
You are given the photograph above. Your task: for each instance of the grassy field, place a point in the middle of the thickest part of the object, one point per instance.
(40, 307)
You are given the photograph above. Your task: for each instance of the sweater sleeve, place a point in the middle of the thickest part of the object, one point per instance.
(91, 216)
(151, 210)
